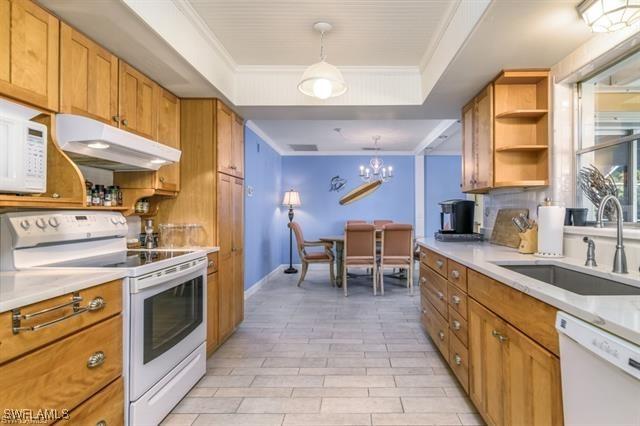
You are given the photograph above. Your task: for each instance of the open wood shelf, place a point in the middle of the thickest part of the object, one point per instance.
(520, 183)
(522, 113)
(522, 148)
(532, 76)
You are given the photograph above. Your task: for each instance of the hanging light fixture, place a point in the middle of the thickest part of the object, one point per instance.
(322, 80)
(376, 169)
(609, 15)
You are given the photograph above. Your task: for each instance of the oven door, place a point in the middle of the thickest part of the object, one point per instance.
(167, 324)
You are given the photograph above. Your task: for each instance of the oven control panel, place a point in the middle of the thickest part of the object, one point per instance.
(30, 229)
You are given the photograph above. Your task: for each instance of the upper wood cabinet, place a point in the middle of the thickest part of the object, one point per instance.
(477, 123)
(230, 141)
(505, 133)
(138, 102)
(29, 47)
(168, 177)
(513, 380)
(88, 77)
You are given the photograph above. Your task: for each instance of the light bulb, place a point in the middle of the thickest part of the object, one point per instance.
(98, 145)
(322, 88)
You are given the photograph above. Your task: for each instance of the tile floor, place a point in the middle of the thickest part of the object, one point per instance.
(310, 356)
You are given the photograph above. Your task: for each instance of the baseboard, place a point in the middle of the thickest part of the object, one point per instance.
(261, 282)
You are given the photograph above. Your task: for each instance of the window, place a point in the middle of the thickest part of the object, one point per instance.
(610, 132)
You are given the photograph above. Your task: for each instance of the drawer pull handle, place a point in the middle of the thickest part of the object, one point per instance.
(75, 301)
(116, 118)
(499, 336)
(455, 274)
(455, 324)
(455, 300)
(422, 254)
(440, 295)
(162, 179)
(424, 311)
(439, 264)
(101, 423)
(423, 280)
(457, 359)
(96, 360)
(210, 264)
(441, 335)
(95, 305)
(125, 122)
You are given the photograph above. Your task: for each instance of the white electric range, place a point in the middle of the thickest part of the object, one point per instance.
(164, 297)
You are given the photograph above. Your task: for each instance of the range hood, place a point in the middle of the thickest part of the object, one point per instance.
(92, 143)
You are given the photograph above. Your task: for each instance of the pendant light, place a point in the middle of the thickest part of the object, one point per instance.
(322, 80)
(609, 15)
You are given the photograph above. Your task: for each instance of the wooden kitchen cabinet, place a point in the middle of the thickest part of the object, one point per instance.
(138, 98)
(230, 141)
(88, 77)
(29, 48)
(477, 131)
(168, 177)
(212, 312)
(238, 251)
(237, 138)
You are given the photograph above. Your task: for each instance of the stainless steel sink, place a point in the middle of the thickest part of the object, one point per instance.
(574, 281)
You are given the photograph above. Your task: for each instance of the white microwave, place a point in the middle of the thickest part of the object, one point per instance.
(23, 156)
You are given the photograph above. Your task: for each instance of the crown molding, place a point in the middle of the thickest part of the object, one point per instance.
(363, 153)
(262, 135)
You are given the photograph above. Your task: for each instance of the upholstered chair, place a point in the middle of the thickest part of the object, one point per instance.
(356, 221)
(381, 222)
(359, 250)
(396, 251)
(308, 257)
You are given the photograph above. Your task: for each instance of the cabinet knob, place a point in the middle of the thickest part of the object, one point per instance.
(501, 337)
(125, 122)
(101, 423)
(455, 274)
(424, 311)
(116, 118)
(96, 304)
(439, 264)
(457, 359)
(440, 295)
(96, 360)
(210, 264)
(162, 179)
(455, 324)
(423, 280)
(441, 335)
(455, 299)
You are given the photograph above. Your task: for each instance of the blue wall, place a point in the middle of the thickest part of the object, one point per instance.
(263, 219)
(320, 213)
(442, 174)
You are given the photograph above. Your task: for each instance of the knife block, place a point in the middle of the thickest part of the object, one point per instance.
(529, 240)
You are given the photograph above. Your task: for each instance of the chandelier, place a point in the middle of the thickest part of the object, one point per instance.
(376, 169)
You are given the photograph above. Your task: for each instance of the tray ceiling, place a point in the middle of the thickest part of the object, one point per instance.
(366, 32)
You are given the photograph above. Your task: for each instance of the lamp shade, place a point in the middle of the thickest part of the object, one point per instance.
(322, 80)
(609, 15)
(291, 199)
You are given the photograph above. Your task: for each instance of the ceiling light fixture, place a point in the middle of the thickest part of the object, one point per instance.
(322, 80)
(604, 16)
(158, 161)
(98, 145)
(376, 169)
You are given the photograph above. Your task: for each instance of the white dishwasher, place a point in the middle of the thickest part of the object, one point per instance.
(600, 375)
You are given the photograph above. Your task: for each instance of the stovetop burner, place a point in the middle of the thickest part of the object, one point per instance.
(128, 259)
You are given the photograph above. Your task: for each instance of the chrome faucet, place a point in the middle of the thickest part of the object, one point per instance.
(620, 259)
(591, 252)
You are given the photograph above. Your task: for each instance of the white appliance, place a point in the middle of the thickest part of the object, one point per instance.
(600, 375)
(550, 231)
(93, 143)
(23, 155)
(164, 298)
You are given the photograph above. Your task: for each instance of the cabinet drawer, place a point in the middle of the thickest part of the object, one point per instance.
(212, 265)
(423, 255)
(459, 327)
(437, 328)
(459, 361)
(457, 274)
(436, 290)
(13, 345)
(66, 373)
(437, 262)
(457, 300)
(107, 406)
(531, 316)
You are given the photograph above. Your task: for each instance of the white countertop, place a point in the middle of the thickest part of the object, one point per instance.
(21, 288)
(620, 315)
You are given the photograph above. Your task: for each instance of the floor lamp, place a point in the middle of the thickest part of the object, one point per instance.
(291, 200)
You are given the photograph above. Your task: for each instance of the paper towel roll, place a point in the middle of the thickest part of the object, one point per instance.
(550, 231)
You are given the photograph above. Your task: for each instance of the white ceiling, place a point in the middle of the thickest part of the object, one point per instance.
(448, 142)
(366, 32)
(395, 135)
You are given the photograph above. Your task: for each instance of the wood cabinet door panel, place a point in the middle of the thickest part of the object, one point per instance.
(485, 362)
(106, 406)
(238, 214)
(224, 138)
(533, 394)
(212, 312)
(88, 77)
(468, 156)
(168, 177)
(225, 215)
(226, 314)
(138, 100)
(483, 138)
(238, 287)
(237, 136)
(29, 47)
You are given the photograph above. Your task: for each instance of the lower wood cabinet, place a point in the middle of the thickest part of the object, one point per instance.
(212, 313)
(499, 343)
(104, 408)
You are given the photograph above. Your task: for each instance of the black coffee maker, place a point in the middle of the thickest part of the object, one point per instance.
(456, 217)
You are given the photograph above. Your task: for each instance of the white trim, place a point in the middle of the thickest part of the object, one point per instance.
(419, 196)
(433, 136)
(262, 135)
(363, 152)
(444, 153)
(261, 282)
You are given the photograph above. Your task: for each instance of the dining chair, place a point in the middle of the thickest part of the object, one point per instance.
(397, 251)
(359, 250)
(381, 222)
(308, 257)
(356, 221)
